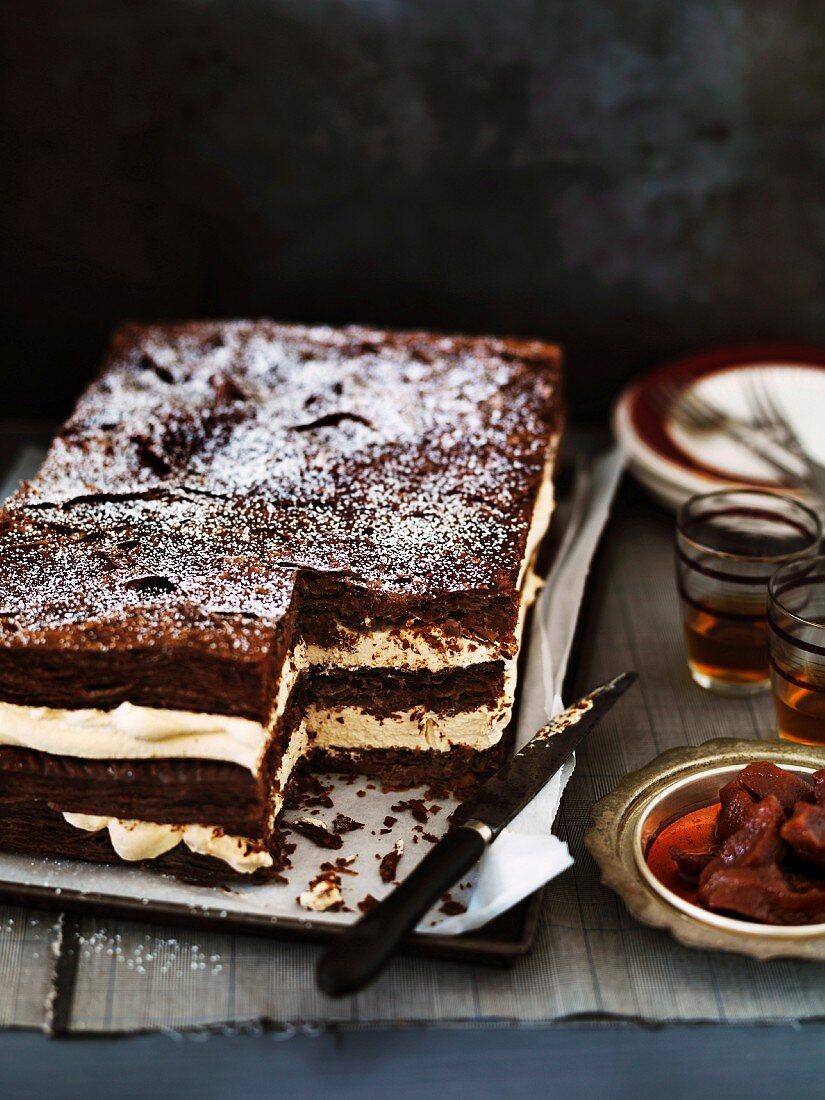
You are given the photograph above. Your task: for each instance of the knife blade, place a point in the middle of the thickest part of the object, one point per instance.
(362, 952)
(503, 797)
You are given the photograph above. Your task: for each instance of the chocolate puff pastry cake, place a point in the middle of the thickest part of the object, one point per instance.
(257, 547)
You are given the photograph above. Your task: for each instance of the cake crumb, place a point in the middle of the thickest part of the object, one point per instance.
(312, 792)
(415, 806)
(437, 793)
(389, 864)
(324, 893)
(450, 907)
(316, 831)
(344, 824)
(341, 865)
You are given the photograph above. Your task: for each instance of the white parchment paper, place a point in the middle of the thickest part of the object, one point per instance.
(522, 859)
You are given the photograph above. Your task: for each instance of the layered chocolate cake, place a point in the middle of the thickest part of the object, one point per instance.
(255, 545)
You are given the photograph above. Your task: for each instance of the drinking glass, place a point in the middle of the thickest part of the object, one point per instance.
(728, 545)
(796, 620)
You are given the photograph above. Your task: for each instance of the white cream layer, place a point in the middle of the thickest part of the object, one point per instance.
(135, 840)
(133, 733)
(542, 513)
(294, 752)
(418, 649)
(350, 729)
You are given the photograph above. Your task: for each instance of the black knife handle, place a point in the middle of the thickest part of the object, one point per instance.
(363, 951)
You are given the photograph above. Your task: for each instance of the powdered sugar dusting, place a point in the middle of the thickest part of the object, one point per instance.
(210, 465)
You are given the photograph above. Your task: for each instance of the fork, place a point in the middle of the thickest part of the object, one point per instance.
(769, 416)
(694, 413)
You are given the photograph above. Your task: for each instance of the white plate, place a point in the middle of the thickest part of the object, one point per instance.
(680, 463)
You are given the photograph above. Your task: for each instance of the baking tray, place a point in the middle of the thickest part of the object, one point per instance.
(500, 943)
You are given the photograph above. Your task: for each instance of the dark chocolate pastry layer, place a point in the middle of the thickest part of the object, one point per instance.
(480, 616)
(458, 771)
(384, 692)
(138, 601)
(221, 483)
(177, 792)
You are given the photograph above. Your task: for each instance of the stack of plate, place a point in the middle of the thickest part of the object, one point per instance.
(673, 463)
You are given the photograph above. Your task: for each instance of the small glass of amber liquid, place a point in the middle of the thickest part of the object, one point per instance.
(796, 622)
(728, 546)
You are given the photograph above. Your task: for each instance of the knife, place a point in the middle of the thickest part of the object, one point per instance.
(362, 952)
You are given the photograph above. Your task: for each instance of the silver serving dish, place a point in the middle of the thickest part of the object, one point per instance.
(628, 820)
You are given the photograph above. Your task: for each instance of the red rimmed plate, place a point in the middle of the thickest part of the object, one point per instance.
(673, 463)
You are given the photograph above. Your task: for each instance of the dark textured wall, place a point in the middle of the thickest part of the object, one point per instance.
(635, 179)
